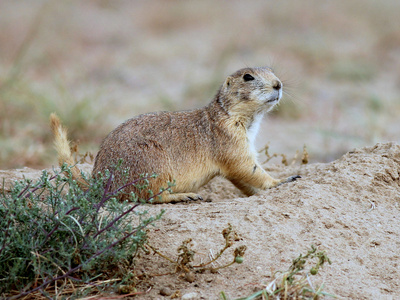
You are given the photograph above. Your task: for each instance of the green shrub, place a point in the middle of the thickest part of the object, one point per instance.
(54, 234)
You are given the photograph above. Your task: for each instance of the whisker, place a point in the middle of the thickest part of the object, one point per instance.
(292, 97)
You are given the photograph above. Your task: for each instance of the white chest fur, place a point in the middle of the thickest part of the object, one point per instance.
(252, 131)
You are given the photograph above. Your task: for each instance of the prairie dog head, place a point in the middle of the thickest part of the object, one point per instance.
(252, 91)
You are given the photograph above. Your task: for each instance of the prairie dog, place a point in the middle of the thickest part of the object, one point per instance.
(192, 147)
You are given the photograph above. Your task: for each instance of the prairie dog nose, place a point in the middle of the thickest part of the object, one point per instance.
(276, 85)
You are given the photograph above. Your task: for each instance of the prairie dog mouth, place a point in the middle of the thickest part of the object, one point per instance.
(276, 98)
(273, 100)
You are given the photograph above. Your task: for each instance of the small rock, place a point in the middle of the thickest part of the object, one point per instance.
(189, 277)
(250, 218)
(165, 291)
(189, 296)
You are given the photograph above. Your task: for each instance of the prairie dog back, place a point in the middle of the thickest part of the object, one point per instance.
(173, 145)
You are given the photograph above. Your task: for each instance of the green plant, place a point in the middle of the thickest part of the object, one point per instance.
(295, 282)
(56, 240)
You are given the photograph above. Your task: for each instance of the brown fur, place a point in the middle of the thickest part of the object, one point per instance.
(192, 147)
(61, 144)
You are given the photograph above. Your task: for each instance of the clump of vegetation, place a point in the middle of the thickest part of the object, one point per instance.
(304, 157)
(294, 283)
(184, 262)
(57, 240)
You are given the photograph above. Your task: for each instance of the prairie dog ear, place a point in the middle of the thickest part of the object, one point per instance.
(228, 82)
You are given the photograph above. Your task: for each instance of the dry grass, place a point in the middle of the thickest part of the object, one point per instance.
(296, 282)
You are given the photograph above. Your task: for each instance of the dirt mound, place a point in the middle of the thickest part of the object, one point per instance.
(349, 208)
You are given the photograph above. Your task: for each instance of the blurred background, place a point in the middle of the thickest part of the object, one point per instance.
(97, 63)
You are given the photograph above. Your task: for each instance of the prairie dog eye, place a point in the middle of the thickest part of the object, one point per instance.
(247, 77)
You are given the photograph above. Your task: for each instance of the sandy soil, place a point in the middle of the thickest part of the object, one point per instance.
(349, 208)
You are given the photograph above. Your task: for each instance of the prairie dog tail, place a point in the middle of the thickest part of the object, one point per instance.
(61, 144)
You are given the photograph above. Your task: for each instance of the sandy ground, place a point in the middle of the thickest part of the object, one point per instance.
(349, 208)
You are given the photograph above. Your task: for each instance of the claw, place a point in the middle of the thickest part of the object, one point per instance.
(290, 179)
(293, 178)
(198, 197)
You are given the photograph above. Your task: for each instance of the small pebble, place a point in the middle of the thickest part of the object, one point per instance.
(189, 277)
(166, 291)
(189, 296)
